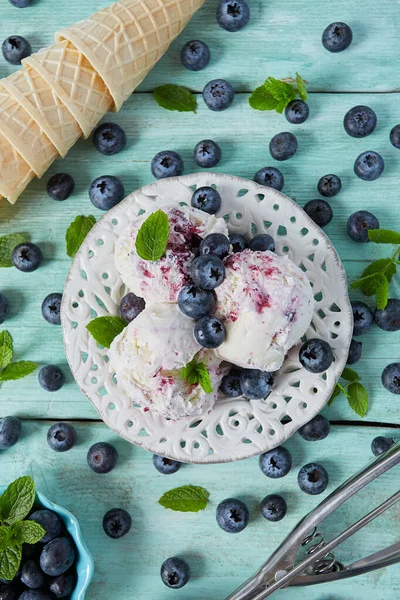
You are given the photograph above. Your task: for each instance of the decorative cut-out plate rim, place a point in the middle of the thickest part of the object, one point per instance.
(151, 191)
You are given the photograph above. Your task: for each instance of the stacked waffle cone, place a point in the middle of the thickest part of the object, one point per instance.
(63, 91)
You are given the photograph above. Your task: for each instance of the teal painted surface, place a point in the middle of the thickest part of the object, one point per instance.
(283, 37)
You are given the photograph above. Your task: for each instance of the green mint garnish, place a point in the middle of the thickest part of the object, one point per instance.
(175, 97)
(15, 505)
(105, 329)
(197, 372)
(354, 391)
(8, 369)
(384, 236)
(152, 237)
(77, 232)
(5, 356)
(7, 245)
(188, 498)
(275, 94)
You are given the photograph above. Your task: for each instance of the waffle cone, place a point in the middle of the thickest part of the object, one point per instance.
(68, 73)
(15, 173)
(124, 41)
(44, 106)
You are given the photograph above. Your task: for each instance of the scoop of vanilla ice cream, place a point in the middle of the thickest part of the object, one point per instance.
(161, 280)
(267, 304)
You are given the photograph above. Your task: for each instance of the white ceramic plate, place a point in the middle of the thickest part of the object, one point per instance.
(235, 428)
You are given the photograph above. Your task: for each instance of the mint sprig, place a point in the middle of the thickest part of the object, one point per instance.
(377, 276)
(105, 329)
(15, 505)
(10, 371)
(152, 237)
(276, 94)
(7, 245)
(196, 372)
(175, 97)
(77, 232)
(354, 391)
(188, 498)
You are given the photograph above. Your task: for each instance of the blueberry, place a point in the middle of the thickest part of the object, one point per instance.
(4, 308)
(166, 466)
(262, 242)
(117, 522)
(369, 166)
(238, 242)
(167, 164)
(218, 94)
(273, 507)
(60, 186)
(195, 55)
(320, 211)
(233, 15)
(217, 244)
(8, 591)
(380, 444)
(270, 177)
(51, 378)
(206, 199)
(102, 457)
(363, 318)
(297, 111)
(16, 48)
(354, 352)
(395, 136)
(230, 384)
(276, 463)
(175, 572)
(232, 515)
(207, 271)
(313, 479)
(359, 223)
(61, 437)
(131, 306)
(50, 521)
(315, 430)
(195, 302)
(26, 257)
(109, 139)
(210, 332)
(316, 355)
(207, 154)
(388, 319)
(51, 308)
(359, 121)
(256, 384)
(391, 378)
(329, 185)
(20, 4)
(10, 430)
(63, 585)
(283, 146)
(32, 575)
(106, 191)
(35, 595)
(337, 37)
(57, 556)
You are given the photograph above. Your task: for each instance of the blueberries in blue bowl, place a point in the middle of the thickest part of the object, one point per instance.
(61, 437)
(270, 177)
(195, 302)
(359, 223)
(316, 355)
(26, 257)
(273, 507)
(233, 15)
(360, 121)
(102, 457)
(175, 573)
(388, 318)
(218, 94)
(207, 154)
(297, 111)
(329, 185)
(32, 575)
(320, 211)
(10, 431)
(166, 466)
(230, 384)
(256, 384)
(363, 317)
(195, 55)
(57, 556)
(167, 164)
(206, 199)
(51, 308)
(369, 166)
(391, 378)
(50, 521)
(210, 332)
(207, 271)
(232, 515)
(4, 308)
(283, 146)
(131, 306)
(51, 378)
(15, 49)
(63, 585)
(337, 37)
(60, 186)
(117, 522)
(109, 139)
(217, 244)
(106, 191)
(313, 479)
(276, 463)
(8, 591)
(35, 595)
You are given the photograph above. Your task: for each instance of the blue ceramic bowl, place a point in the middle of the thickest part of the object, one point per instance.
(84, 563)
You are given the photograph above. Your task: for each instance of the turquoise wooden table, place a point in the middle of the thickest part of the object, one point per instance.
(283, 37)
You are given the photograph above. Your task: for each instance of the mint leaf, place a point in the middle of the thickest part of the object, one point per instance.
(282, 92)
(6, 339)
(301, 87)
(10, 559)
(175, 97)
(7, 245)
(152, 237)
(188, 498)
(261, 99)
(4, 537)
(384, 236)
(197, 372)
(17, 500)
(77, 232)
(204, 379)
(17, 370)
(358, 398)
(5, 356)
(350, 375)
(26, 532)
(105, 329)
(370, 280)
(336, 392)
(382, 294)
(383, 266)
